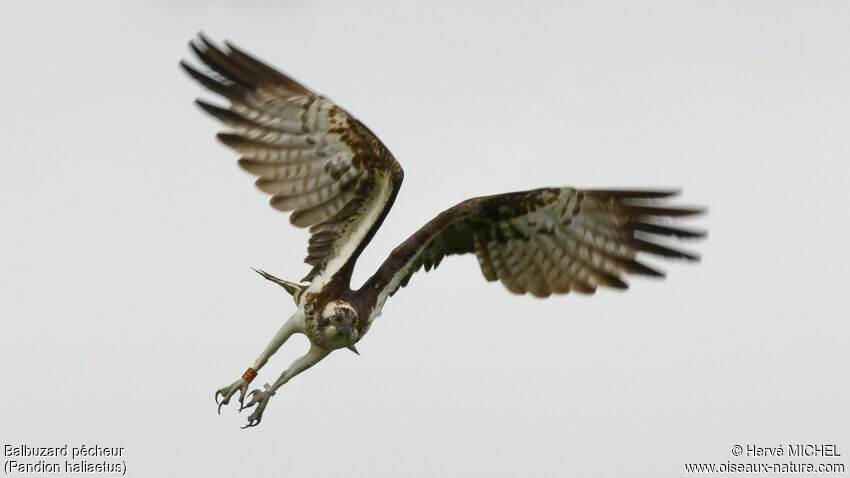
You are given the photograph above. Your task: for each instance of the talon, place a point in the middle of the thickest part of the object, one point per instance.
(253, 399)
(260, 399)
(228, 391)
(224, 402)
(257, 397)
(251, 423)
(250, 403)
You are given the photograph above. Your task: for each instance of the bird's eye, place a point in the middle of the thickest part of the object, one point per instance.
(356, 321)
(335, 320)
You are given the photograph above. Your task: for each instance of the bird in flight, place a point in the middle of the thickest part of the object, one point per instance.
(332, 173)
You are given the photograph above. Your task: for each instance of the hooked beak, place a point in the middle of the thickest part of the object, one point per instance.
(345, 329)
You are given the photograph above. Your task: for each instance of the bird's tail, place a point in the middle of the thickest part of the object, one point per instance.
(295, 290)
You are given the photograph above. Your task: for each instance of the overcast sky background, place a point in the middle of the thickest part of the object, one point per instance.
(127, 235)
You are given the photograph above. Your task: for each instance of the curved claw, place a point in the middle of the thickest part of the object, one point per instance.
(220, 404)
(228, 391)
(261, 400)
(250, 404)
(252, 423)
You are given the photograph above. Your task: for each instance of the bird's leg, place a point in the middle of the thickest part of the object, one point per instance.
(260, 398)
(295, 324)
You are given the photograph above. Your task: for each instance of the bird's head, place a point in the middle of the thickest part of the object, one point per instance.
(339, 324)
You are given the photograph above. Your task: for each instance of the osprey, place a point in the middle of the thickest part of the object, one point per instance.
(335, 176)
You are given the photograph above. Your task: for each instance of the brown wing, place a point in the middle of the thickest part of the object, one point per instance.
(545, 241)
(311, 155)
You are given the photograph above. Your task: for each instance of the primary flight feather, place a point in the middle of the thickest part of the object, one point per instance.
(334, 175)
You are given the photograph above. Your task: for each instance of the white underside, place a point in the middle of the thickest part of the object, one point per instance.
(352, 241)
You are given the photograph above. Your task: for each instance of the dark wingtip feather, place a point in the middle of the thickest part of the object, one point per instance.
(261, 68)
(218, 112)
(615, 282)
(202, 36)
(660, 230)
(223, 63)
(230, 139)
(190, 70)
(633, 193)
(229, 91)
(660, 250)
(197, 50)
(635, 267)
(640, 210)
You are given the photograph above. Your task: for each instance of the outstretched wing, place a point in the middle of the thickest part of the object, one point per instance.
(314, 158)
(544, 241)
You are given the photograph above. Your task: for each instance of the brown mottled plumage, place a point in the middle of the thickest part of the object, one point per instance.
(544, 241)
(314, 158)
(338, 179)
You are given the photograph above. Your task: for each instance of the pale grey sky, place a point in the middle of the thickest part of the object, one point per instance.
(128, 234)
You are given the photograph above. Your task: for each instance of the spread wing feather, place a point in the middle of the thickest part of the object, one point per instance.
(314, 158)
(546, 241)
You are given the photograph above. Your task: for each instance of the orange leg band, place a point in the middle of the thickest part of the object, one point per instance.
(249, 374)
